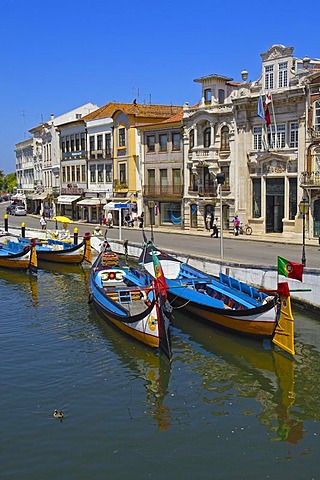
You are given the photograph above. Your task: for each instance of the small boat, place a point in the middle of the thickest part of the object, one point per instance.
(130, 300)
(225, 301)
(16, 255)
(58, 251)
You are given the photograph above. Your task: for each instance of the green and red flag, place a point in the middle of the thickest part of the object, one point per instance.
(290, 269)
(160, 278)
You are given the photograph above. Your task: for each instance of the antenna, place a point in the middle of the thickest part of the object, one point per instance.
(23, 114)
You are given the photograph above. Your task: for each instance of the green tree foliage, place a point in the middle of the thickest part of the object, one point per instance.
(7, 182)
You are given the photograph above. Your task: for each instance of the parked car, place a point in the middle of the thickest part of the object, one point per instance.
(19, 210)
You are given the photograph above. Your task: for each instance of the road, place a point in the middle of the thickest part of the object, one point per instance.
(242, 249)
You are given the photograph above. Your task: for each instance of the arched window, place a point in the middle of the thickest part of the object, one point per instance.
(207, 95)
(191, 139)
(207, 137)
(224, 139)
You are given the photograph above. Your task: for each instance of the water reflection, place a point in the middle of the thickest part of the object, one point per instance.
(23, 282)
(154, 369)
(232, 366)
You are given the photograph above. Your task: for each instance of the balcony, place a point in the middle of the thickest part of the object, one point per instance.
(163, 191)
(310, 180)
(120, 187)
(99, 154)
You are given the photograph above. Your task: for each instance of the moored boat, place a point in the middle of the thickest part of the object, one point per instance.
(17, 256)
(130, 300)
(57, 251)
(225, 301)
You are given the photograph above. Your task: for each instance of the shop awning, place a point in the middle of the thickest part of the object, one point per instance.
(37, 196)
(91, 202)
(118, 205)
(67, 199)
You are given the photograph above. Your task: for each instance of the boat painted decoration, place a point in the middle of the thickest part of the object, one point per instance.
(225, 301)
(130, 300)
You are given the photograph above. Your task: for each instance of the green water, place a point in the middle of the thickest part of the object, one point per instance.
(226, 407)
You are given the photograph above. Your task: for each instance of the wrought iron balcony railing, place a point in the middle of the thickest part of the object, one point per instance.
(310, 179)
(163, 191)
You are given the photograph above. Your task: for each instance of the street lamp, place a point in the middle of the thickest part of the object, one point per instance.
(152, 219)
(303, 209)
(220, 181)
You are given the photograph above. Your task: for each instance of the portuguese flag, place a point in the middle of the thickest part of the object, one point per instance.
(290, 269)
(160, 278)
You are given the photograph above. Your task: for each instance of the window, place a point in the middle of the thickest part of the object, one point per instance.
(67, 143)
(100, 174)
(73, 173)
(151, 177)
(221, 95)
(122, 137)
(63, 145)
(207, 137)
(163, 180)
(191, 139)
(176, 180)
(225, 169)
(224, 145)
(317, 116)
(122, 173)
(283, 74)
(150, 143)
(83, 141)
(72, 142)
(292, 198)
(83, 174)
(176, 138)
(256, 198)
(77, 142)
(64, 174)
(108, 143)
(92, 143)
(78, 173)
(257, 138)
(92, 173)
(99, 142)
(294, 127)
(268, 77)
(277, 138)
(163, 138)
(207, 95)
(108, 173)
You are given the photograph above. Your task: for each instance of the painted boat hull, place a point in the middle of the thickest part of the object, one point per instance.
(145, 319)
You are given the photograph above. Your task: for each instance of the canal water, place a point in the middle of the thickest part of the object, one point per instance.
(226, 407)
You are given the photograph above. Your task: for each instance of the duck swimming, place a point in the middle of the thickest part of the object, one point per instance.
(58, 414)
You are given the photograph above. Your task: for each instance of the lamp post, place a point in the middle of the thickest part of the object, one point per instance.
(303, 209)
(220, 181)
(152, 219)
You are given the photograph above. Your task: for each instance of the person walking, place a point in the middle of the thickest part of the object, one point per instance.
(110, 220)
(43, 223)
(236, 223)
(215, 230)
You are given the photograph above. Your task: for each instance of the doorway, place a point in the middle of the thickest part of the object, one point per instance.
(274, 205)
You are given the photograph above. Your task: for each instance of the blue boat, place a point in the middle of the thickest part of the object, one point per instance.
(224, 301)
(130, 300)
(15, 255)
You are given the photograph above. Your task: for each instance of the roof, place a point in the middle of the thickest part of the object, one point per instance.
(174, 119)
(143, 110)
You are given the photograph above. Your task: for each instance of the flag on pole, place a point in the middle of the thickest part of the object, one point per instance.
(160, 278)
(266, 109)
(268, 99)
(261, 108)
(290, 269)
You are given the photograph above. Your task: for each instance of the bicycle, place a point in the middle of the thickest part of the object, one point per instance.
(245, 229)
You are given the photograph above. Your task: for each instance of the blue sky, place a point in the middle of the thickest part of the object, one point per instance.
(56, 56)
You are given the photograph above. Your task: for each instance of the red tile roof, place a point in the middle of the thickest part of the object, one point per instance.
(155, 111)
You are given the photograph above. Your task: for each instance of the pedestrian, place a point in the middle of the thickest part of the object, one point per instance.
(215, 230)
(141, 220)
(110, 220)
(100, 218)
(43, 222)
(236, 223)
(209, 219)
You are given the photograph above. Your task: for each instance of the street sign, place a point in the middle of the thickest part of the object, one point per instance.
(123, 205)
